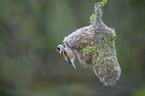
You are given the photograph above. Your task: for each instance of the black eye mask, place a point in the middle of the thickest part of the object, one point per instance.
(58, 48)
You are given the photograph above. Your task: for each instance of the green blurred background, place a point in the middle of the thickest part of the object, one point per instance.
(30, 31)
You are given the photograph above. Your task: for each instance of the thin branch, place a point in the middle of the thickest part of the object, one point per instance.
(96, 1)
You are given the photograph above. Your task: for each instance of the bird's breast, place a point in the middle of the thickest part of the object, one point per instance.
(63, 54)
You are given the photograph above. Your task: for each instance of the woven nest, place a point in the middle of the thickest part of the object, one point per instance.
(103, 60)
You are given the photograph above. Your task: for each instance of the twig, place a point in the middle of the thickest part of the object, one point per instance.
(96, 1)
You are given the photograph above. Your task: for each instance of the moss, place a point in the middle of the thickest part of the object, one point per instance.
(89, 49)
(92, 17)
(102, 3)
(113, 37)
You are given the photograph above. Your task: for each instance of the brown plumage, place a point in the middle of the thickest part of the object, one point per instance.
(67, 54)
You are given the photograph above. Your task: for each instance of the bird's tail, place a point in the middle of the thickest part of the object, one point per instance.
(72, 62)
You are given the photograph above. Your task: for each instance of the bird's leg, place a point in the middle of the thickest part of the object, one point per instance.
(67, 45)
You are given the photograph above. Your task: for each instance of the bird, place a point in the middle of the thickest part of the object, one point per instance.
(67, 54)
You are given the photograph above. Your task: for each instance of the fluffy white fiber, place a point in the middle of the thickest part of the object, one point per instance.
(103, 60)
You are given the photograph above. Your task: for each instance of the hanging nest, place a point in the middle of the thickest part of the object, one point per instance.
(95, 48)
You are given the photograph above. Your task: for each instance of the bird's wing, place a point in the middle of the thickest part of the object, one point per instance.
(65, 56)
(67, 59)
(70, 53)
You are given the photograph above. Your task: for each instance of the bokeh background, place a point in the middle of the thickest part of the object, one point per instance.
(30, 31)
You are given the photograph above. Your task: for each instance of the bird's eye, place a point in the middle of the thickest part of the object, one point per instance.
(58, 48)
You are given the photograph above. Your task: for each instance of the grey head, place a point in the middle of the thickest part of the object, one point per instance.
(60, 48)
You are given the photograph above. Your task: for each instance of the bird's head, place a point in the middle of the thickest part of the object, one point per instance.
(60, 48)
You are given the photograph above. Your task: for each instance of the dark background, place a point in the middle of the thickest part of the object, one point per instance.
(30, 31)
